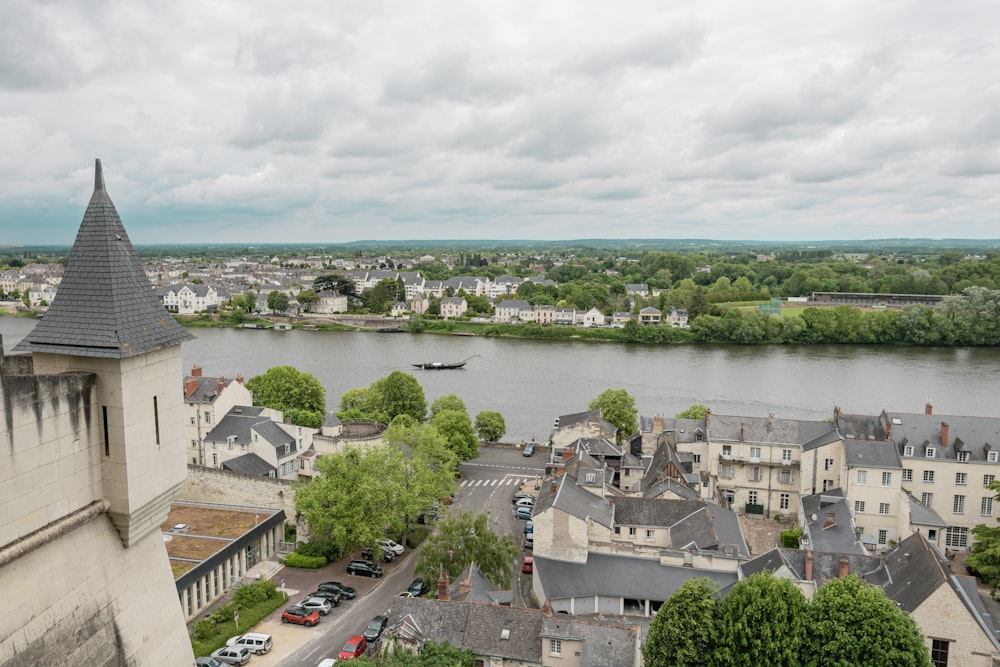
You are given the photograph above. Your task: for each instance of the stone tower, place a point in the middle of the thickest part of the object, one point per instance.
(94, 428)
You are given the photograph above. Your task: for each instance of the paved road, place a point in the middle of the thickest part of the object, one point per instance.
(486, 485)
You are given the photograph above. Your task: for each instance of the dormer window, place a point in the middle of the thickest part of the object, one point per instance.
(929, 453)
(963, 457)
(908, 450)
(992, 457)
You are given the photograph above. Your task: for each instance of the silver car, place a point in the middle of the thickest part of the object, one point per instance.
(395, 547)
(232, 655)
(322, 605)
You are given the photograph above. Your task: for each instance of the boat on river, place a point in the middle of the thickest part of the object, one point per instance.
(443, 365)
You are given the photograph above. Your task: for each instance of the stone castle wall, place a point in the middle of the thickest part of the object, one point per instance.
(214, 485)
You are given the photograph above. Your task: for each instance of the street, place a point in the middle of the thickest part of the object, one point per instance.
(486, 485)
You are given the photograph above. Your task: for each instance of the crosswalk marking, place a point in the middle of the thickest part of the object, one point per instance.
(507, 480)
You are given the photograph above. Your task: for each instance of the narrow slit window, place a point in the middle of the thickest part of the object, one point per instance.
(156, 420)
(107, 441)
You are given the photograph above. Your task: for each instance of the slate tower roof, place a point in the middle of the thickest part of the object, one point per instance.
(105, 305)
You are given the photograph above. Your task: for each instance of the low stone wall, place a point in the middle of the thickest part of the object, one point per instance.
(213, 485)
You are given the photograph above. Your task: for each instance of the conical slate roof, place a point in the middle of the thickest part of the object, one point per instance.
(105, 305)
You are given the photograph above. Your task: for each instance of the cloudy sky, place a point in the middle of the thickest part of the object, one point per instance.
(330, 121)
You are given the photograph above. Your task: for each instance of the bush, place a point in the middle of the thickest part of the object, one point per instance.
(327, 549)
(790, 538)
(248, 595)
(416, 535)
(296, 559)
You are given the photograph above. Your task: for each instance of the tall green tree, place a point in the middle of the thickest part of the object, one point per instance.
(683, 632)
(290, 390)
(336, 282)
(456, 427)
(277, 301)
(984, 558)
(617, 406)
(447, 402)
(851, 623)
(761, 622)
(696, 411)
(490, 426)
(461, 539)
(396, 394)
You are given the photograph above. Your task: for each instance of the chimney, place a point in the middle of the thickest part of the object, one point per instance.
(944, 434)
(196, 371)
(831, 520)
(222, 385)
(888, 429)
(657, 424)
(443, 585)
(928, 408)
(190, 386)
(842, 568)
(553, 487)
(239, 378)
(809, 565)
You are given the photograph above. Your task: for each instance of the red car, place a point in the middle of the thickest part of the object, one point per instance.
(528, 564)
(301, 616)
(354, 647)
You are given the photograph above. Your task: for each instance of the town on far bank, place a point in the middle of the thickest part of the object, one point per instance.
(925, 296)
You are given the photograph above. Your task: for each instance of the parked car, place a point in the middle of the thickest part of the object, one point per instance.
(528, 564)
(207, 661)
(322, 605)
(520, 494)
(522, 512)
(300, 616)
(525, 502)
(528, 450)
(529, 527)
(333, 596)
(417, 587)
(388, 555)
(259, 643)
(395, 547)
(375, 628)
(346, 592)
(355, 646)
(232, 655)
(364, 568)
(529, 541)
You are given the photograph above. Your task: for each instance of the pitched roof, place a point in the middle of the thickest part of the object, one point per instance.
(769, 430)
(249, 464)
(870, 454)
(105, 306)
(604, 644)
(829, 523)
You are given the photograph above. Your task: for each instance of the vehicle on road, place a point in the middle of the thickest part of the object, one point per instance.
(405, 594)
(417, 587)
(207, 661)
(522, 513)
(365, 568)
(529, 449)
(393, 546)
(346, 592)
(333, 596)
(300, 616)
(387, 555)
(321, 605)
(528, 564)
(529, 527)
(259, 643)
(525, 502)
(375, 628)
(232, 655)
(355, 646)
(529, 541)
(519, 495)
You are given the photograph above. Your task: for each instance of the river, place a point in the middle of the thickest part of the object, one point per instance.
(530, 382)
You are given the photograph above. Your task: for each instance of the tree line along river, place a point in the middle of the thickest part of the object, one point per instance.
(531, 382)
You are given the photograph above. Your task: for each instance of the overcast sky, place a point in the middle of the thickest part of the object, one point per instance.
(331, 121)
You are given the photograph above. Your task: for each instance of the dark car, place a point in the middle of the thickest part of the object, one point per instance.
(333, 596)
(388, 555)
(300, 616)
(364, 568)
(346, 592)
(375, 628)
(417, 587)
(355, 646)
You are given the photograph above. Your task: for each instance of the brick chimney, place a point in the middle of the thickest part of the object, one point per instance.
(657, 424)
(809, 565)
(888, 429)
(196, 371)
(222, 385)
(842, 568)
(443, 585)
(944, 434)
(553, 487)
(928, 408)
(831, 520)
(190, 386)
(239, 378)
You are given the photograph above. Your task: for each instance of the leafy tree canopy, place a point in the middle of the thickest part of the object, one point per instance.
(456, 427)
(396, 394)
(447, 402)
(490, 426)
(277, 301)
(461, 539)
(683, 631)
(617, 406)
(290, 390)
(761, 622)
(696, 411)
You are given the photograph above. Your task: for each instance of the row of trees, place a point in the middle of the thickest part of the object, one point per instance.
(765, 620)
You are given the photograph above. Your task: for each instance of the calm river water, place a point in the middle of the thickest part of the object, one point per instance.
(531, 382)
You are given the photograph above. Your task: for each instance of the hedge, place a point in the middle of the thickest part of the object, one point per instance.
(295, 559)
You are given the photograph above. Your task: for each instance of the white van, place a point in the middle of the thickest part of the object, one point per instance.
(257, 642)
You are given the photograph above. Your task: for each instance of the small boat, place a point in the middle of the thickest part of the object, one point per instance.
(282, 326)
(391, 330)
(463, 333)
(441, 365)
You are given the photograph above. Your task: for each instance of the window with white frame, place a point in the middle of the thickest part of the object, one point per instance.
(631, 531)
(785, 477)
(929, 453)
(827, 464)
(929, 476)
(752, 497)
(859, 506)
(986, 507)
(555, 647)
(650, 534)
(987, 480)
(991, 457)
(697, 458)
(926, 499)
(883, 536)
(755, 474)
(208, 417)
(956, 536)
(908, 450)
(963, 457)
(727, 451)
(883, 508)
(783, 501)
(961, 479)
(907, 474)
(887, 479)
(755, 453)
(786, 456)
(726, 471)
(958, 505)
(862, 477)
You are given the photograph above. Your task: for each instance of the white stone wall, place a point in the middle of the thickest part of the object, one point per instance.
(944, 616)
(212, 485)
